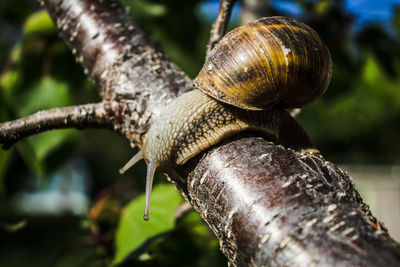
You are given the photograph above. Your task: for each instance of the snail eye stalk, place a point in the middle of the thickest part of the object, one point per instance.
(137, 157)
(151, 168)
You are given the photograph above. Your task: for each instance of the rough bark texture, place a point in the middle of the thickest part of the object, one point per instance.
(131, 74)
(83, 116)
(270, 206)
(267, 205)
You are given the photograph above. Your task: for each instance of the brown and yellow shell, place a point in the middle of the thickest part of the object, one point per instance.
(269, 61)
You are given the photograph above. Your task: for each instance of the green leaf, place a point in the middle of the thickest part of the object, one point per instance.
(145, 8)
(46, 142)
(133, 231)
(16, 53)
(48, 93)
(10, 79)
(13, 227)
(27, 153)
(323, 7)
(364, 110)
(39, 22)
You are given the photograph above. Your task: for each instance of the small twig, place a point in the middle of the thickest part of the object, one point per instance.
(83, 116)
(221, 23)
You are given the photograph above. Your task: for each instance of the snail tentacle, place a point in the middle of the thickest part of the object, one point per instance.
(137, 157)
(151, 168)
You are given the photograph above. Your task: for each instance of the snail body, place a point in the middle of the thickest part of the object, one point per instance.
(228, 101)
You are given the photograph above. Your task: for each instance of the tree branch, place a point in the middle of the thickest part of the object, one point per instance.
(221, 23)
(271, 206)
(124, 64)
(89, 115)
(266, 204)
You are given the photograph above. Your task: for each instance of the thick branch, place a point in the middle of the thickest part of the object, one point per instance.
(83, 116)
(221, 23)
(271, 206)
(120, 59)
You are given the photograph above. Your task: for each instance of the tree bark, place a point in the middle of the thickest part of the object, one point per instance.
(133, 76)
(89, 115)
(268, 205)
(271, 206)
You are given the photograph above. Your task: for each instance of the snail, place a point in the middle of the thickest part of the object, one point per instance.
(249, 78)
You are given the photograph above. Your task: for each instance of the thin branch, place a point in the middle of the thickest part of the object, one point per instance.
(83, 116)
(221, 23)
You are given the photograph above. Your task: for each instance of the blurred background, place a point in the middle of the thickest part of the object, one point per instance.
(62, 201)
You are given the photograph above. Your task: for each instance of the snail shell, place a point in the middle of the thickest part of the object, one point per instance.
(269, 61)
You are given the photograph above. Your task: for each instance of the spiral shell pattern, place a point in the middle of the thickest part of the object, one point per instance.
(274, 60)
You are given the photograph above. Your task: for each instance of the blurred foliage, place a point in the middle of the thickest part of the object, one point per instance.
(356, 121)
(177, 26)
(133, 231)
